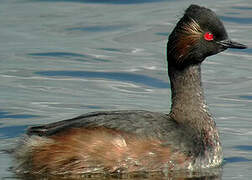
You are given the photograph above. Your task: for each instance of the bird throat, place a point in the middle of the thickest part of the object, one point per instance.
(189, 110)
(188, 102)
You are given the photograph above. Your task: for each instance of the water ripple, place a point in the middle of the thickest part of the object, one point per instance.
(12, 131)
(76, 56)
(236, 159)
(248, 50)
(106, 1)
(119, 76)
(5, 115)
(115, 50)
(242, 8)
(58, 54)
(238, 20)
(165, 34)
(244, 147)
(237, 97)
(98, 28)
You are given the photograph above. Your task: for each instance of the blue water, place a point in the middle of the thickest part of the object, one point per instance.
(118, 76)
(103, 1)
(63, 58)
(237, 19)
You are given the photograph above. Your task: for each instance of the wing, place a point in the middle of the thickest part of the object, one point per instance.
(139, 124)
(53, 128)
(136, 121)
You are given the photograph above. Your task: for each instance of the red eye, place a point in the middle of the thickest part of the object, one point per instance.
(208, 36)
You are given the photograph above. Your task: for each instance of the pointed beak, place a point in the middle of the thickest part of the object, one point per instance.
(227, 43)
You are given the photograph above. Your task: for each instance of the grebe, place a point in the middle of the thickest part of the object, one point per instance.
(137, 140)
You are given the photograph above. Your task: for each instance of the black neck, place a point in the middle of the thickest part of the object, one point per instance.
(188, 103)
(189, 109)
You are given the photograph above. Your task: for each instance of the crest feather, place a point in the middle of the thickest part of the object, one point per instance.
(189, 35)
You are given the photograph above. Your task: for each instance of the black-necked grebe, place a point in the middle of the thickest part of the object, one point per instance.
(132, 141)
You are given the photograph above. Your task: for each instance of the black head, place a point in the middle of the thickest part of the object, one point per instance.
(198, 34)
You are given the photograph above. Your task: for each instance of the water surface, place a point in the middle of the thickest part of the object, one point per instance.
(63, 58)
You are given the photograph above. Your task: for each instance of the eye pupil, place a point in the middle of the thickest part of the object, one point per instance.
(208, 36)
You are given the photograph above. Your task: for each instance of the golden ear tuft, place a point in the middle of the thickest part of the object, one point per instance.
(192, 28)
(189, 35)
